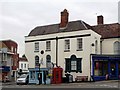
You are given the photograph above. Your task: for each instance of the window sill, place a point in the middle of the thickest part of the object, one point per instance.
(36, 51)
(47, 50)
(79, 50)
(66, 50)
(73, 71)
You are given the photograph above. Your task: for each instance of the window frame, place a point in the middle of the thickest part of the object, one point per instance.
(68, 67)
(116, 47)
(48, 45)
(36, 47)
(67, 45)
(37, 60)
(48, 61)
(79, 44)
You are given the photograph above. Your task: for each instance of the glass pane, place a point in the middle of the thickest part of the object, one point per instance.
(73, 65)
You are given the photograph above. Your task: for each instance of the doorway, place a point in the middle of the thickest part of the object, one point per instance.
(113, 70)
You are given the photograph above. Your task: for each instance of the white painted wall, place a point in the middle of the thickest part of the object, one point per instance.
(108, 45)
(85, 54)
(24, 68)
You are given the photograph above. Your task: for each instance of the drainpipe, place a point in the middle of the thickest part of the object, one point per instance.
(101, 45)
(56, 51)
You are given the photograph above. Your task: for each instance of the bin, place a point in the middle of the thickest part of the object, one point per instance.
(70, 78)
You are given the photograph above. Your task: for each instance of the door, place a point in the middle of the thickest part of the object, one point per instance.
(40, 78)
(113, 70)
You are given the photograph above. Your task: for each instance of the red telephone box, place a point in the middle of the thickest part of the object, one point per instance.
(57, 75)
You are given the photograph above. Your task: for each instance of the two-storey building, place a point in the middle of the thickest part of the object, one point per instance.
(67, 44)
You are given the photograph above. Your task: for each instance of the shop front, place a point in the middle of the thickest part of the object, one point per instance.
(105, 67)
(5, 75)
(38, 76)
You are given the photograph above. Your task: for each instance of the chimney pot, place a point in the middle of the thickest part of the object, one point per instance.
(100, 20)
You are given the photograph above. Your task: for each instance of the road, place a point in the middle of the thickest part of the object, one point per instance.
(98, 84)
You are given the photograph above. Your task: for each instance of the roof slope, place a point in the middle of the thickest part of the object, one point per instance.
(54, 28)
(108, 30)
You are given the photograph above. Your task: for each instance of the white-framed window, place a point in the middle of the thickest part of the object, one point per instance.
(25, 65)
(21, 65)
(48, 45)
(79, 44)
(117, 47)
(96, 46)
(67, 45)
(36, 46)
(36, 61)
(11, 48)
(73, 65)
(48, 61)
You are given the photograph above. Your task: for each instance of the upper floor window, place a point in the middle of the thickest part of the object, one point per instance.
(21, 65)
(48, 61)
(79, 44)
(117, 47)
(36, 46)
(96, 46)
(67, 45)
(24, 65)
(11, 48)
(36, 61)
(48, 45)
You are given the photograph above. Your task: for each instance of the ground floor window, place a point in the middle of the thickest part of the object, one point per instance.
(73, 64)
(104, 67)
(100, 68)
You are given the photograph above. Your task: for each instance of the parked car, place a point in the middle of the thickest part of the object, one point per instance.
(23, 79)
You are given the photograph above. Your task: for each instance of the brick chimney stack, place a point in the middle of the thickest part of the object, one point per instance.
(64, 18)
(100, 20)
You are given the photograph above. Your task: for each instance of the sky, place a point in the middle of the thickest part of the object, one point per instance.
(19, 17)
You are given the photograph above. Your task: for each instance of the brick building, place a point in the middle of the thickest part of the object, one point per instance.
(9, 59)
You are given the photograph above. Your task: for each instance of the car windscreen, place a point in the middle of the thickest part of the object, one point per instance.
(23, 76)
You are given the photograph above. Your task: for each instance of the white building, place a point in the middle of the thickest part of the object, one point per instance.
(23, 66)
(68, 45)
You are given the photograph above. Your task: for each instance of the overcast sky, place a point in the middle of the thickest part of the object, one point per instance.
(19, 17)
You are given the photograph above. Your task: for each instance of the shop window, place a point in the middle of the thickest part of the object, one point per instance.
(73, 64)
(32, 75)
(100, 68)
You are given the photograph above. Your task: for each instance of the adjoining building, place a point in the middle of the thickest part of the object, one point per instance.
(108, 61)
(75, 46)
(8, 60)
(23, 66)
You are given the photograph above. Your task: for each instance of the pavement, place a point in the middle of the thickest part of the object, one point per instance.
(106, 81)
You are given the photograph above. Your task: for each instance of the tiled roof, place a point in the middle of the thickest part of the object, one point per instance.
(54, 28)
(105, 30)
(108, 30)
(23, 59)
